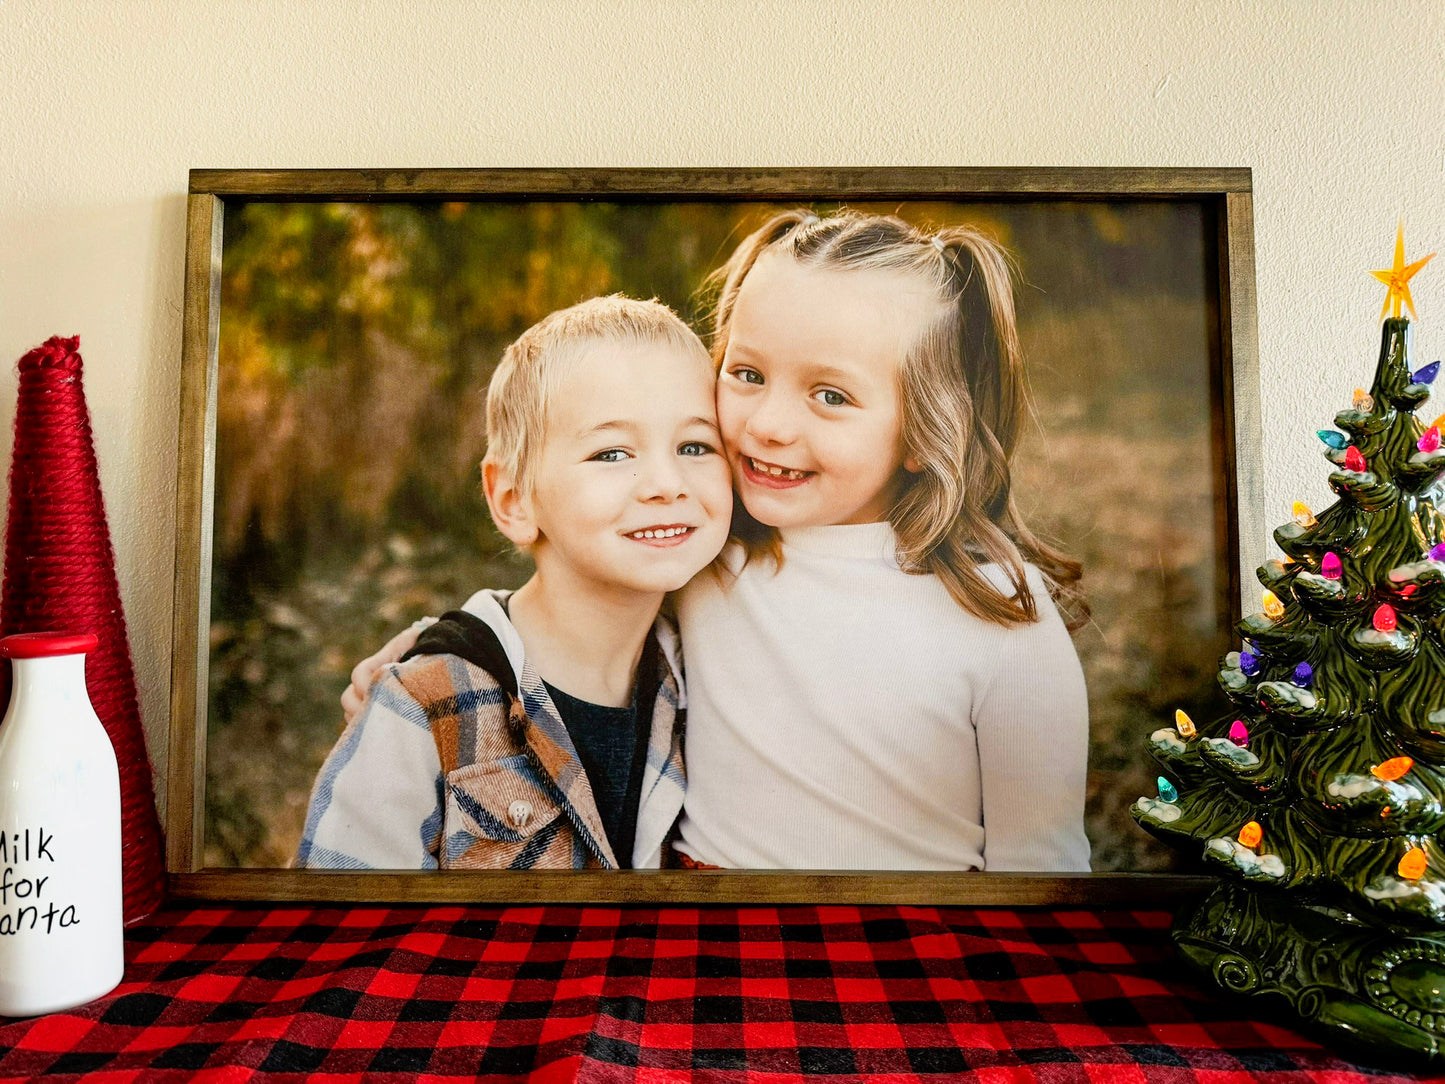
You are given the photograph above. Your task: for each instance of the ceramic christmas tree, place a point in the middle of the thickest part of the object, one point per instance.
(1320, 796)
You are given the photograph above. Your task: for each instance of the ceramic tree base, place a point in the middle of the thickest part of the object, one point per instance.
(1355, 983)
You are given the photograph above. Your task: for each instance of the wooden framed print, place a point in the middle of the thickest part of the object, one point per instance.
(967, 507)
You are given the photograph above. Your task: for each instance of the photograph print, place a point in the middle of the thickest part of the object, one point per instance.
(700, 533)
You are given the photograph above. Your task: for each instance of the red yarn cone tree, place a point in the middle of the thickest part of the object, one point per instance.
(60, 574)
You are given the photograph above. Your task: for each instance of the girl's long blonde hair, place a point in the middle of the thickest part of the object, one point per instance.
(964, 403)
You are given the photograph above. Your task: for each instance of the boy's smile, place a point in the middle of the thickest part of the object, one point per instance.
(670, 535)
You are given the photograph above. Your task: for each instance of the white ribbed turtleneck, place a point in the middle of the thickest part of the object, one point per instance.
(843, 714)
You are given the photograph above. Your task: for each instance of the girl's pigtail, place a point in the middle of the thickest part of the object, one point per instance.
(966, 514)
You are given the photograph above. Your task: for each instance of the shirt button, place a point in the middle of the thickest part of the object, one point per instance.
(520, 813)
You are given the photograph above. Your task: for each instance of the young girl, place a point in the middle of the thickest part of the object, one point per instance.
(878, 676)
(879, 679)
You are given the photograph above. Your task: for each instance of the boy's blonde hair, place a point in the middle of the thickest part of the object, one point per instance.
(520, 395)
(964, 401)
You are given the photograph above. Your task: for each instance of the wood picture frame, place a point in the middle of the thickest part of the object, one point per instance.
(1222, 201)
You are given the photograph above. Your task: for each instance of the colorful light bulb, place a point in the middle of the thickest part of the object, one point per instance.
(1437, 552)
(1409, 589)
(1384, 618)
(1427, 374)
(1412, 866)
(1184, 724)
(1334, 439)
(1392, 769)
(1251, 834)
(1331, 567)
(1303, 516)
(1439, 423)
(1167, 792)
(1429, 440)
(1354, 460)
(1273, 607)
(1362, 401)
(1239, 733)
(1304, 675)
(1248, 663)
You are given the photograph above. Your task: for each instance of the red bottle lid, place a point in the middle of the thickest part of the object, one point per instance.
(40, 645)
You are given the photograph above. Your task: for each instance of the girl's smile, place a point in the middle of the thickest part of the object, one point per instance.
(770, 474)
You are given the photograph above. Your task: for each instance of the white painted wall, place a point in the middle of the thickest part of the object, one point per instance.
(1337, 105)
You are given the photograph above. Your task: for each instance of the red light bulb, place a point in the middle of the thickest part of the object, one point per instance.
(1354, 460)
(1384, 619)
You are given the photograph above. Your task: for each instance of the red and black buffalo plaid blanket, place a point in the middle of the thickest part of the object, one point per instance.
(603, 994)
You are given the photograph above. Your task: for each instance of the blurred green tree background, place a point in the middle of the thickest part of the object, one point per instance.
(356, 341)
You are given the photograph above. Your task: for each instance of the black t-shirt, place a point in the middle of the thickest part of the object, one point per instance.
(607, 741)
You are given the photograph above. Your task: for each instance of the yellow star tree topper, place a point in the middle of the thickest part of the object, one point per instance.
(1397, 278)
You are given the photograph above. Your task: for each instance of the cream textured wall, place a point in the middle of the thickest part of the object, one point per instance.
(1339, 108)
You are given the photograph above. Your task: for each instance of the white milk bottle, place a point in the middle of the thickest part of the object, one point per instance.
(61, 911)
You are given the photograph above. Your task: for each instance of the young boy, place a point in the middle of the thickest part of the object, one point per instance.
(542, 728)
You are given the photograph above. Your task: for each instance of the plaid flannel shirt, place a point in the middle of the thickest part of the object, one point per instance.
(435, 773)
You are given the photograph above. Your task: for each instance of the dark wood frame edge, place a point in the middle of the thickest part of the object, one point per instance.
(1087, 890)
(860, 183)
